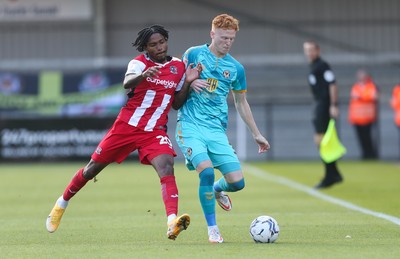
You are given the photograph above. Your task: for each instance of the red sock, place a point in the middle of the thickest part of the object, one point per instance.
(77, 182)
(169, 194)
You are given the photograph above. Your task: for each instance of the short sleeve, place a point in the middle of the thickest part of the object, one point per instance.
(179, 87)
(135, 67)
(240, 83)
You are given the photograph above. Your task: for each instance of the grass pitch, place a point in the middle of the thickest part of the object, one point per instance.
(122, 215)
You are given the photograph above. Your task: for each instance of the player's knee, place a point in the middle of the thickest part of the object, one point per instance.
(167, 168)
(237, 186)
(88, 174)
(92, 169)
(207, 177)
(163, 164)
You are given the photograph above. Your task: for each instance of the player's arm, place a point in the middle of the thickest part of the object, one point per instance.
(191, 74)
(329, 77)
(243, 108)
(333, 95)
(132, 80)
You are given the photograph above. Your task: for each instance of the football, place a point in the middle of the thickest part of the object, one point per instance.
(264, 229)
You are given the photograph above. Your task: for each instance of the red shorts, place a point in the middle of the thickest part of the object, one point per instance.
(122, 139)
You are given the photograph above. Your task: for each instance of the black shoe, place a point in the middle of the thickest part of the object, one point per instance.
(328, 182)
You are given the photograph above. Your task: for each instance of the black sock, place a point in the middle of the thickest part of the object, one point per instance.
(331, 170)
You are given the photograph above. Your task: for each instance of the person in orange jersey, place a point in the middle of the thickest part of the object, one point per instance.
(395, 103)
(363, 112)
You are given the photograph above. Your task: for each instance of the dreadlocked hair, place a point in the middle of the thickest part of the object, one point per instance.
(145, 34)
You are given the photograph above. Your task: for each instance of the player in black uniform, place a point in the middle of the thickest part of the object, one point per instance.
(325, 92)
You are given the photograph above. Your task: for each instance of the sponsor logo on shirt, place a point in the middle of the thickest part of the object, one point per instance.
(213, 84)
(163, 82)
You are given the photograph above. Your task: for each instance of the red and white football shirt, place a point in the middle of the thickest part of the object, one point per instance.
(147, 109)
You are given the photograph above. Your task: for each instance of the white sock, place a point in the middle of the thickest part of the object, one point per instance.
(171, 218)
(210, 228)
(62, 203)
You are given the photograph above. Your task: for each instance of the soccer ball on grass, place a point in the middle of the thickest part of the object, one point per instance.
(264, 229)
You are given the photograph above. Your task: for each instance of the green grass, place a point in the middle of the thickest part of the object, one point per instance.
(122, 216)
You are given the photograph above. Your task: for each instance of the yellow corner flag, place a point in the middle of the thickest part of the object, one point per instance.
(331, 149)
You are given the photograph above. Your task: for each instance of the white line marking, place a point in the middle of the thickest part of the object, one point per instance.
(300, 187)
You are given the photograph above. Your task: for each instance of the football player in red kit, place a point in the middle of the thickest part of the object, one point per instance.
(156, 82)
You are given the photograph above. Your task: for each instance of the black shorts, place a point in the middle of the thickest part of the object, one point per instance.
(321, 118)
